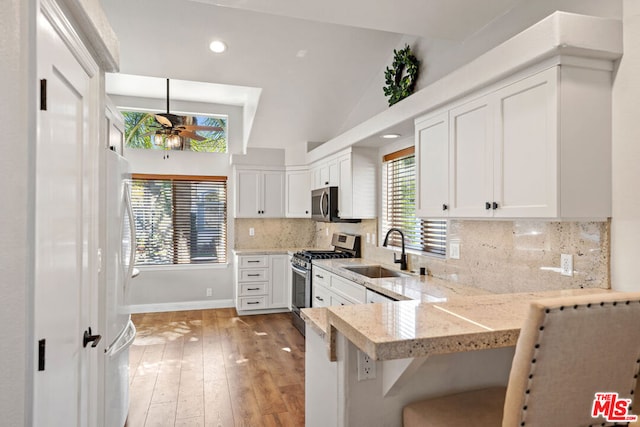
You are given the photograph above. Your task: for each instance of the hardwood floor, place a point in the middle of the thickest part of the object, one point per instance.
(213, 368)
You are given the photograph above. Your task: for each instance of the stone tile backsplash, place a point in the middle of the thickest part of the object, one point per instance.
(274, 233)
(505, 256)
(499, 256)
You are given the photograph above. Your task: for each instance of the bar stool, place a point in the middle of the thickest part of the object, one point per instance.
(569, 349)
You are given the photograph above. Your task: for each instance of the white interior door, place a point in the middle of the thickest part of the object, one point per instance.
(63, 235)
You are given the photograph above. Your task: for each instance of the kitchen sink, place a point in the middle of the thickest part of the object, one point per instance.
(375, 271)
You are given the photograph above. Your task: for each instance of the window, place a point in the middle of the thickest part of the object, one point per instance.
(180, 219)
(139, 130)
(398, 206)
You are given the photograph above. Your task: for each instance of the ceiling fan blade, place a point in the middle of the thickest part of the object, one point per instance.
(206, 128)
(192, 135)
(163, 120)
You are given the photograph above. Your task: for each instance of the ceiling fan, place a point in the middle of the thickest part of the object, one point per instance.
(172, 129)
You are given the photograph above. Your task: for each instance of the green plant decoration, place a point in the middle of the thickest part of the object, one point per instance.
(401, 79)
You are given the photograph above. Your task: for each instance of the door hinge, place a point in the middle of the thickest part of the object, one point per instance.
(43, 94)
(41, 349)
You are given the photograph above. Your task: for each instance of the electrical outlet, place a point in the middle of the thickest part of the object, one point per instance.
(454, 250)
(368, 238)
(252, 231)
(209, 292)
(366, 367)
(326, 231)
(566, 264)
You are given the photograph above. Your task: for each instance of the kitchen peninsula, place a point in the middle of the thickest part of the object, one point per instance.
(448, 338)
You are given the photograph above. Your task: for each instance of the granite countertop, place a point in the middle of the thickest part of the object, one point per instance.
(431, 316)
(407, 287)
(416, 329)
(267, 251)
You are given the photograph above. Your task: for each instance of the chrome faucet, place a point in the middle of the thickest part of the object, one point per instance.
(403, 257)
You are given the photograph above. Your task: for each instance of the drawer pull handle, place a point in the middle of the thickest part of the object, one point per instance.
(253, 261)
(319, 299)
(253, 302)
(253, 275)
(253, 289)
(319, 276)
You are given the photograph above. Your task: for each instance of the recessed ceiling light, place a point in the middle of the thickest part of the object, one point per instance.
(390, 136)
(217, 46)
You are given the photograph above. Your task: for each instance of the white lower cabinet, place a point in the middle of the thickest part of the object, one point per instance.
(262, 283)
(374, 297)
(330, 289)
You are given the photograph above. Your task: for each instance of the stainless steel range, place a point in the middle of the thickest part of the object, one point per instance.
(345, 246)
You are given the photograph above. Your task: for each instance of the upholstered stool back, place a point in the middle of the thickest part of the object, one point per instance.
(568, 350)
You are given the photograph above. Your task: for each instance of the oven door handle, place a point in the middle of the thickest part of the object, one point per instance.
(299, 270)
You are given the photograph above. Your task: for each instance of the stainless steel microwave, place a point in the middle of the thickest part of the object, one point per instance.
(324, 205)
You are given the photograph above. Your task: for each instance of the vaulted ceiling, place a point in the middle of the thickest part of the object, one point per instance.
(311, 63)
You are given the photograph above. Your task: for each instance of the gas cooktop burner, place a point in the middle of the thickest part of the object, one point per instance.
(309, 255)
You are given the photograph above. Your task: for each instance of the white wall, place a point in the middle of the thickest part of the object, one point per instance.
(625, 224)
(17, 89)
(160, 288)
(440, 57)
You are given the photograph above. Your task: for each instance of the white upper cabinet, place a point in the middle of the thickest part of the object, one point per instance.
(298, 203)
(471, 134)
(259, 193)
(525, 148)
(357, 188)
(325, 173)
(432, 166)
(537, 146)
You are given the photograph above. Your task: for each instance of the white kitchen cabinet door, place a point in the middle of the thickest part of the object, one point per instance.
(470, 159)
(248, 193)
(298, 204)
(357, 190)
(525, 150)
(432, 166)
(259, 193)
(280, 293)
(273, 194)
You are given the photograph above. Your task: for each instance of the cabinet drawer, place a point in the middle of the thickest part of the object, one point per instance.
(322, 277)
(339, 300)
(249, 289)
(253, 261)
(253, 303)
(254, 275)
(348, 289)
(320, 297)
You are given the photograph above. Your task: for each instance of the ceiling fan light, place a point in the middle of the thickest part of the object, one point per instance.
(173, 141)
(218, 46)
(158, 139)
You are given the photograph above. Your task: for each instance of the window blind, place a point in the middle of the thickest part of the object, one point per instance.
(179, 219)
(398, 207)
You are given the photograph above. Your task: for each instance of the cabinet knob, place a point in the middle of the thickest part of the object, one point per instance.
(487, 205)
(326, 183)
(444, 207)
(495, 205)
(306, 212)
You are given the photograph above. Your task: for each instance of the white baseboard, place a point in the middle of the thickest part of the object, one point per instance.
(181, 306)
